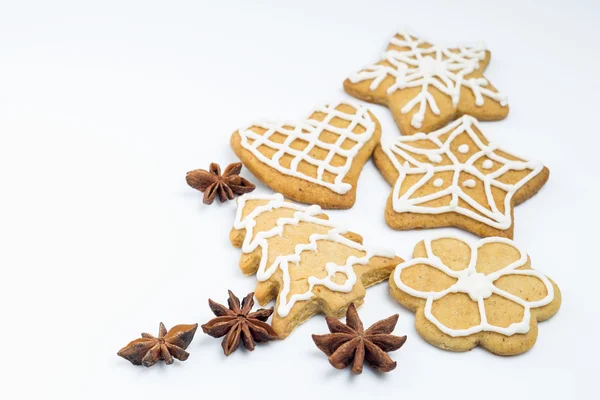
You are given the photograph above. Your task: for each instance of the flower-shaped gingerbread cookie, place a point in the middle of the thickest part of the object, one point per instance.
(427, 85)
(455, 177)
(466, 295)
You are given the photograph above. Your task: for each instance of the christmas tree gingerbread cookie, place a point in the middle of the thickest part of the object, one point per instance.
(484, 293)
(455, 177)
(303, 261)
(427, 85)
(316, 160)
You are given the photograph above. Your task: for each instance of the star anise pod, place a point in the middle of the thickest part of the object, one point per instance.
(213, 184)
(237, 322)
(350, 344)
(149, 349)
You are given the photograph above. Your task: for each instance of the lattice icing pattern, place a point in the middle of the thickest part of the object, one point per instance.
(291, 144)
(446, 170)
(324, 231)
(413, 62)
(479, 286)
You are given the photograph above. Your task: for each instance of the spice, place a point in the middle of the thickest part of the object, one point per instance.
(213, 184)
(238, 323)
(349, 343)
(149, 349)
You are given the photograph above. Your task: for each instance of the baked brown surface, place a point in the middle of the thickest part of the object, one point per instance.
(489, 111)
(302, 190)
(312, 263)
(411, 220)
(459, 311)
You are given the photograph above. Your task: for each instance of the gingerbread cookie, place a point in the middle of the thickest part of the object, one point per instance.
(455, 177)
(316, 160)
(303, 260)
(466, 295)
(427, 85)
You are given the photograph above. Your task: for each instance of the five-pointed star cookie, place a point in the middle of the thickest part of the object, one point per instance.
(427, 85)
(303, 260)
(455, 177)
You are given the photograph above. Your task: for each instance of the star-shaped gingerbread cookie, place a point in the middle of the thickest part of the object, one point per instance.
(427, 85)
(455, 177)
(300, 258)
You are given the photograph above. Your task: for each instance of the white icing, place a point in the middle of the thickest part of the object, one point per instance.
(463, 148)
(283, 261)
(309, 131)
(487, 164)
(436, 66)
(438, 182)
(478, 286)
(435, 158)
(492, 216)
(470, 183)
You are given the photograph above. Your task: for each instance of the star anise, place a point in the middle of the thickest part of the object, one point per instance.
(213, 184)
(350, 344)
(238, 322)
(149, 349)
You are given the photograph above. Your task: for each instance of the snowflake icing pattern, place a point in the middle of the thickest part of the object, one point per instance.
(484, 170)
(425, 65)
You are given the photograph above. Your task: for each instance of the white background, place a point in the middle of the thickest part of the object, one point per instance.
(104, 106)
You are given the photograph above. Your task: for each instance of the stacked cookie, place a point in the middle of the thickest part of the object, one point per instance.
(443, 171)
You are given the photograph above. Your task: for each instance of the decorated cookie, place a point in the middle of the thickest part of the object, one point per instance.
(303, 260)
(427, 85)
(483, 293)
(316, 160)
(455, 177)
